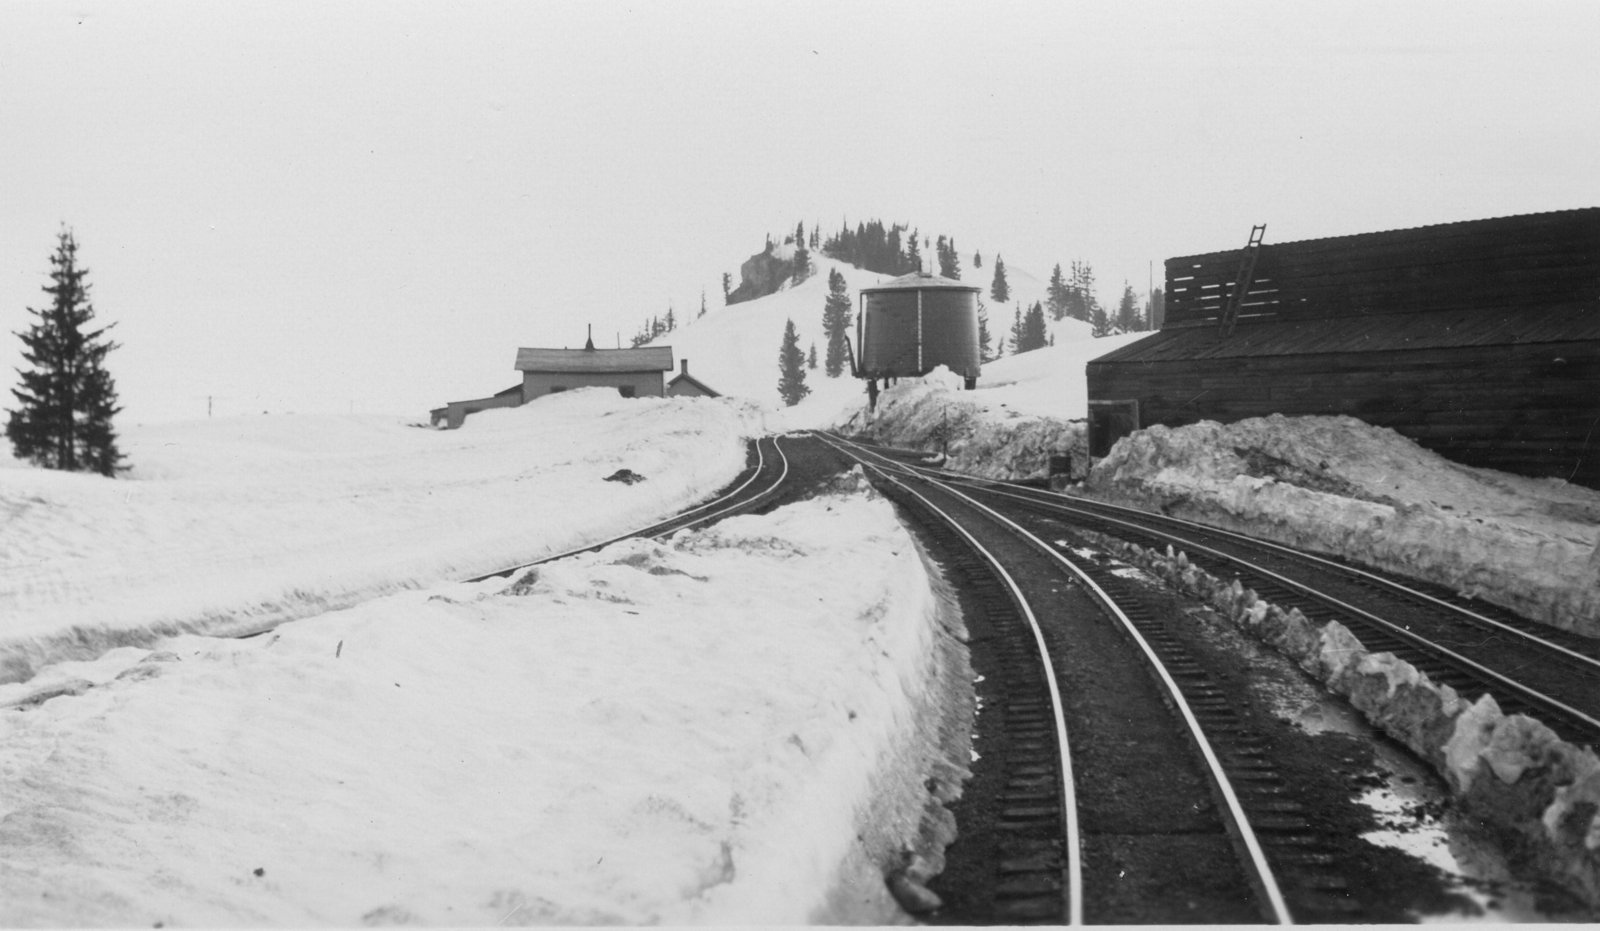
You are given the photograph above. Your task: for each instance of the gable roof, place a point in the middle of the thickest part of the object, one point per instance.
(643, 359)
(685, 376)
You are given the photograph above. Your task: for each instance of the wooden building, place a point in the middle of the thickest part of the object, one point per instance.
(1480, 340)
(633, 372)
(684, 385)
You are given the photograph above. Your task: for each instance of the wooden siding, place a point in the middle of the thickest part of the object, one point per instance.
(1530, 409)
(1532, 260)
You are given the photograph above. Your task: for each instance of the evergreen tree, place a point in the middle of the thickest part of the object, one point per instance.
(1017, 332)
(949, 261)
(1034, 334)
(671, 321)
(702, 303)
(1099, 322)
(977, 260)
(1000, 291)
(791, 367)
(1058, 294)
(800, 234)
(1128, 318)
(1155, 312)
(811, 357)
(914, 255)
(985, 352)
(802, 264)
(836, 324)
(68, 399)
(1082, 303)
(727, 286)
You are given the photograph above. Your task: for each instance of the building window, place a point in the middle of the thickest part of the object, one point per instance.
(625, 390)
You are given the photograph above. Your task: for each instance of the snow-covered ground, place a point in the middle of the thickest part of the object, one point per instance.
(228, 525)
(688, 731)
(1337, 485)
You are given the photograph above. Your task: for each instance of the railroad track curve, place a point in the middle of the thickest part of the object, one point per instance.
(1135, 820)
(757, 483)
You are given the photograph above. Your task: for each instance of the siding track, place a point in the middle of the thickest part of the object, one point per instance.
(750, 489)
(1475, 648)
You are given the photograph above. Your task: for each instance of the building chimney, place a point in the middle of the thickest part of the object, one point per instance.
(588, 343)
(685, 364)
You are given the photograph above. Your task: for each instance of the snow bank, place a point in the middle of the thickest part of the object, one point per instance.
(1337, 485)
(940, 420)
(1512, 772)
(693, 731)
(231, 525)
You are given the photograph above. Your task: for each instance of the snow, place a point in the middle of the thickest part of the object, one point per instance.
(693, 730)
(229, 525)
(1337, 485)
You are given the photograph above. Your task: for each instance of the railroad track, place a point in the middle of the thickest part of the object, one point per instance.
(752, 487)
(1112, 783)
(1474, 648)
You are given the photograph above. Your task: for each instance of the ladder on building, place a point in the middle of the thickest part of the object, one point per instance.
(1242, 281)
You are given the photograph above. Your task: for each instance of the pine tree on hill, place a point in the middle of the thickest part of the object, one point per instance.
(727, 286)
(1000, 291)
(1017, 337)
(68, 399)
(977, 260)
(702, 303)
(1034, 333)
(811, 357)
(791, 367)
(914, 254)
(1058, 294)
(1128, 318)
(1099, 322)
(836, 324)
(949, 261)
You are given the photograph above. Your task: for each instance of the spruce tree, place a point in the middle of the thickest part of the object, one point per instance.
(836, 324)
(791, 367)
(914, 254)
(702, 303)
(977, 260)
(727, 286)
(1000, 291)
(1058, 294)
(1128, 320)
(1034, 333)
(811, 357)
(1017, 337)
(1099, 322)
(68, 398)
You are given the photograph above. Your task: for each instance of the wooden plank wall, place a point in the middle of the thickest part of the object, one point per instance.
(1529, 409)
(1534, 259)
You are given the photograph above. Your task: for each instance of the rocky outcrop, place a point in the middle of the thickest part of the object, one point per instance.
(762, 274)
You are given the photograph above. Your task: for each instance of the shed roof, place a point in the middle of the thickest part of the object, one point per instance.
(919, 280)
(642, 359)
(1375, 333)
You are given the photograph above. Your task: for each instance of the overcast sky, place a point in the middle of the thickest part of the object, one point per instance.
(370, 206)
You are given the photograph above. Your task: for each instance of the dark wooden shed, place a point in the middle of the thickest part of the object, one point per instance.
(1480, 340)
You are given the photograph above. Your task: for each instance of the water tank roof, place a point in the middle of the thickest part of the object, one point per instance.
(921, 280)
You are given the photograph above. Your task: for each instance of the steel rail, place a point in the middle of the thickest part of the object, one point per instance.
(1428, 646)
(1246, 834)
(646, 530)
(1087, 506)
(1069, 806)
